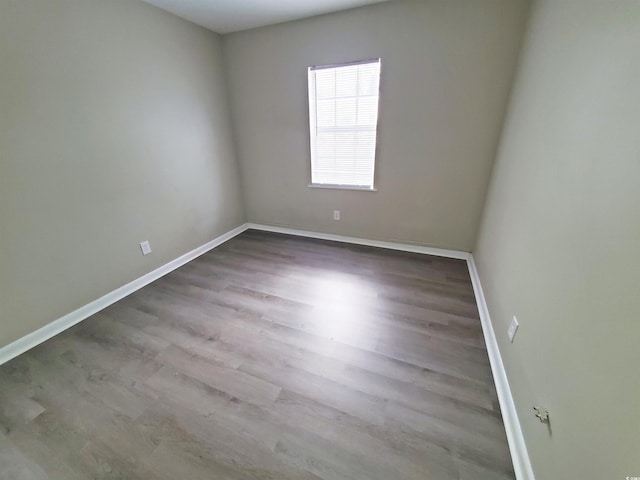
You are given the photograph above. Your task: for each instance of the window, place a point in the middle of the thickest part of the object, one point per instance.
(343, 117)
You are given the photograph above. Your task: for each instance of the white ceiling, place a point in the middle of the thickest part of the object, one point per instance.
(226, 16)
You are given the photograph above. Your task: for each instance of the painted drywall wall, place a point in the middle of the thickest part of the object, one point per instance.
(558, 245)
(446, 74)
(114, 129)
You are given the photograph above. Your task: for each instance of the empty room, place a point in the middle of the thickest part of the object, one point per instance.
(320, 239)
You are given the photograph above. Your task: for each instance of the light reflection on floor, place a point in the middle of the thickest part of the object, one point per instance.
(342, 305)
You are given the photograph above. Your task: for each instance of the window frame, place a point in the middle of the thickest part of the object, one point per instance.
(312, 105)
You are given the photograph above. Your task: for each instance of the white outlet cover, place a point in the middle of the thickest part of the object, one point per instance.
(513, 328)
(336, 214)
(145, 247)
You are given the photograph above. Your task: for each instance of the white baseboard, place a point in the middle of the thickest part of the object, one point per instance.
(439, 252)
(61, 324)
(517, 445)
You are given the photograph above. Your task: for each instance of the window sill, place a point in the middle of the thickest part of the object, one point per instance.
(342, 187)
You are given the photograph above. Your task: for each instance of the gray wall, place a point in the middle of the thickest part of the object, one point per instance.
(114, 129)
(446, 73)
(558, 246)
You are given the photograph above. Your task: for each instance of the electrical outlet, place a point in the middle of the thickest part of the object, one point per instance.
(336, 214)
(513, 328)
(145, 247)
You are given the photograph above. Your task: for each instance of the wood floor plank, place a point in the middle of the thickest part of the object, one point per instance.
(270, 357)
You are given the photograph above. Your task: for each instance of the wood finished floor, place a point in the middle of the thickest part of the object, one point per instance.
(271, 357)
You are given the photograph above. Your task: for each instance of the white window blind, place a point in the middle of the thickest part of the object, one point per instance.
(343, 117)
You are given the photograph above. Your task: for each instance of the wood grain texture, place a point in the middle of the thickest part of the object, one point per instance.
(271, 357)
